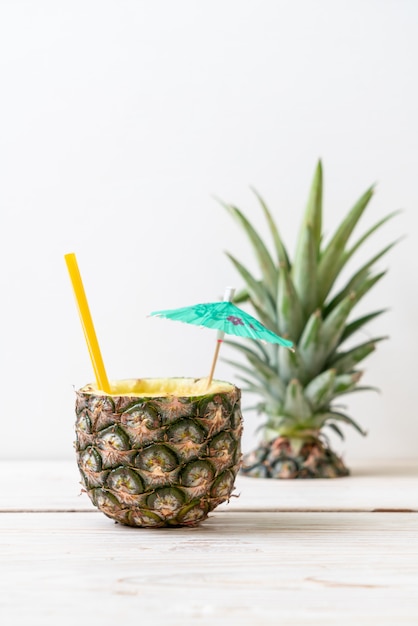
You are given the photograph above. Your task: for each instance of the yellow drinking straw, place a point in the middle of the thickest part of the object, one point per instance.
(87, 323)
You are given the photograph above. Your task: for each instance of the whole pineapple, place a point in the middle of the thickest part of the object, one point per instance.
(300, 300)
(159, 452)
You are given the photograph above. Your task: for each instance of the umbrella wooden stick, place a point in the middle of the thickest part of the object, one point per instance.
(215, 358)
(228, 295)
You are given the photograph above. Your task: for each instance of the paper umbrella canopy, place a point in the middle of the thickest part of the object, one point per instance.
(227, 318)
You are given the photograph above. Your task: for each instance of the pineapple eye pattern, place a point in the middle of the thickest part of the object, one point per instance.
(84, 423)
(157, 458)
(113, 437)
(192, 513)
(197, 473)
(125, 479)
(105, 501)
(143, 517)
(222, 445)
(236, 418)
(167, 499)
(186, 430)
(209, 409)
(172, 409)
(101, 405)
(90, 460)
(139, 415)
(223, 485)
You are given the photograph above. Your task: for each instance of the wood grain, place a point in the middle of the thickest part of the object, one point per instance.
(237, 568)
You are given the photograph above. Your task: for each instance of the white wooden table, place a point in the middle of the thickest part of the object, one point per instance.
(327, 552)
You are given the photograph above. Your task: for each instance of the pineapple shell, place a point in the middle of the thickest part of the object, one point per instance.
(159, 452)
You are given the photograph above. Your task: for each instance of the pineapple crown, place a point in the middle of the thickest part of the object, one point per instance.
(297, 299)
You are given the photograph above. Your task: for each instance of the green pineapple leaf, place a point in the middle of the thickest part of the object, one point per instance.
(304, 271)
(266, 370)
(349, 253)
(290, 314)
(336, 429)
(319, 390)
(258, 349)
(336, 416)
(358, 278)
(359, 323)
(348, 360)
(260, 296)
(331, 258)
(344, 383)
(358, 388)
(241, 296)
(266, 391)
(310, 347)
(295, 403)
(366, 285)
(268, 268)
(313, 215)
(281, 252)
(333, 325)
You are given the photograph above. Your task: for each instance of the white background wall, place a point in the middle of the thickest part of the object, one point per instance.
(119, 121)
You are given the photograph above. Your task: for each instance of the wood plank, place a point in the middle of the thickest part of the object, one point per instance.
(236, 568)
(41, 485)
(371, 487)
(55, 486)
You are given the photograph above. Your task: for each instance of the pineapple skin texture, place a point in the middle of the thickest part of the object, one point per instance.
(158, 461)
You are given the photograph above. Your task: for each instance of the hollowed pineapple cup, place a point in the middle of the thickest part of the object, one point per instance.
(159, 452)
